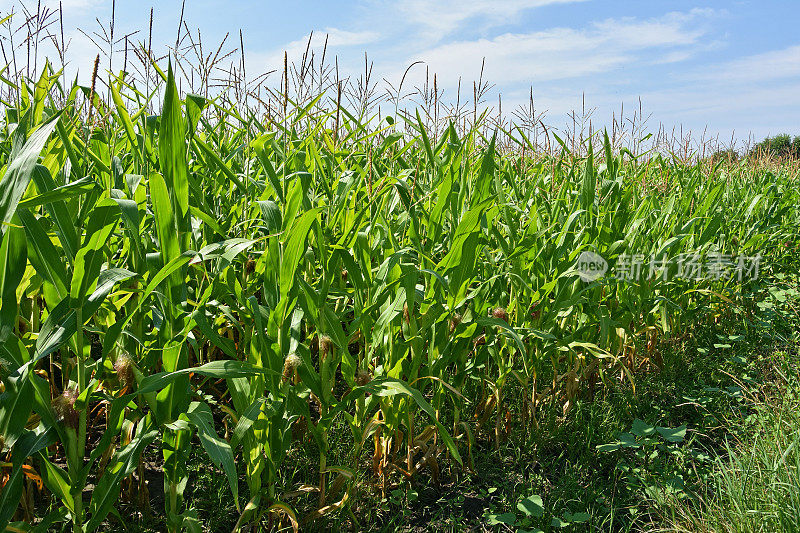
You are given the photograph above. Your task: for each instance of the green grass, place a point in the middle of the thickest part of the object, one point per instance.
(756, 481)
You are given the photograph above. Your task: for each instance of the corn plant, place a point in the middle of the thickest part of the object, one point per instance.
(179, 269)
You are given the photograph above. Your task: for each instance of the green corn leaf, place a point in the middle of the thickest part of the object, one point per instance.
(246, 421)
(295, 248)
(172, 156)
(89, 259)
(17, 398)
(43, 255)
(168, 236)
(13, 259)
(15, 181)
(64, 192)
(106, 493)
(216, 369)
(61, 323)
(53, 198)
(30, 443)
(57, 481)
(199, 415)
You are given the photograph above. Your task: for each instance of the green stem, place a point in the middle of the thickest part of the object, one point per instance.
(323, 463)
(80, 448)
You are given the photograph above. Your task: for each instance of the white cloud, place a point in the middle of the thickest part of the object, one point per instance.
(728, 108)
(729, 98)
(757, 68)
(337, 39)
(673, 57)
(439, 18)
(562, 53)
(755, 93)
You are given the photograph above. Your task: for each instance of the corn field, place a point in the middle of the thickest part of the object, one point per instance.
(270, 286)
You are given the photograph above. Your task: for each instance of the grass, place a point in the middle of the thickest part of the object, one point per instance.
(756, 478)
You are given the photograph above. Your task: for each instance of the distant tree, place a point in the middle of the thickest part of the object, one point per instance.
(730, 155)
(779, 146)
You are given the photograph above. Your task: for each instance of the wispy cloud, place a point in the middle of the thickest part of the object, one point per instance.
(331, 41)
(334, 37)
(752, 94)
(562, 53)
(757, 68)
(439, 18)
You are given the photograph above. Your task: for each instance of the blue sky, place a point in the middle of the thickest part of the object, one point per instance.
(726, 66)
